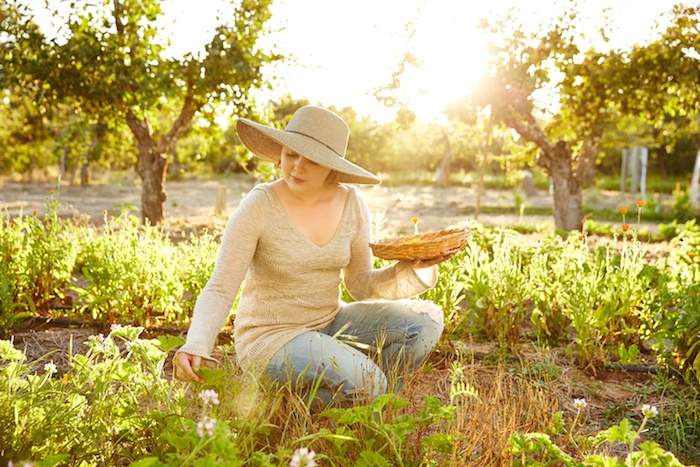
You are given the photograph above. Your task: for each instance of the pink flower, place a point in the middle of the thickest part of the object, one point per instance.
(303, 457)
(209, 397)
(206, 426)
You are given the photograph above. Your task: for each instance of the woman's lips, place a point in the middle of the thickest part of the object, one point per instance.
(299, 180)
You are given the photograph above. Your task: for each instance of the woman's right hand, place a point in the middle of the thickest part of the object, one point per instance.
(186, 366)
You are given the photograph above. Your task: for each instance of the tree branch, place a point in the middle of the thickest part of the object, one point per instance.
(183, 122)
(117, 18)
(529, 130)
(140, 128)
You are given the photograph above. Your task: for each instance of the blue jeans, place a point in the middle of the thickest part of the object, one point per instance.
(366, 348)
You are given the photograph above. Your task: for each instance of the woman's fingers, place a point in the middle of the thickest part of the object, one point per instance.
(429, 262)
(188, 365)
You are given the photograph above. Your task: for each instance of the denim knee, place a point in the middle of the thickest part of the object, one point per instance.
(431, 320)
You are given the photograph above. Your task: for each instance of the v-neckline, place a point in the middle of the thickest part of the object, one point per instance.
(296, 228)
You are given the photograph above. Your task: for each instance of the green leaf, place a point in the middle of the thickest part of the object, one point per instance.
(620, 433)
(372, 459)
(146, 462)
(167, 342)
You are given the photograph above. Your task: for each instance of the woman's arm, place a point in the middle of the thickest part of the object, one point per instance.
(238, 244)
(399, 280)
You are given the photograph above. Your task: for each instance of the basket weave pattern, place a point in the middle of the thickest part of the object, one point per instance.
(421, 246)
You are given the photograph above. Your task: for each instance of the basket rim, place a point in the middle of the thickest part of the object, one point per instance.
(444, 234)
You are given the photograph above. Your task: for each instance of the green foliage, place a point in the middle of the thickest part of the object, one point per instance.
(109, 400)
(133, 272)
(682, 208)
(195, 259)
(37, 256)
(677, 339)
(381, 433)
(496, 295)
(118, 409)
(537, 449)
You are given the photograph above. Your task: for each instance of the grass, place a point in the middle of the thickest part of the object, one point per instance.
(462, 178)
(655, 183)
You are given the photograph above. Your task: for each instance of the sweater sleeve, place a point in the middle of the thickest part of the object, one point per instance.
(238, 244)
(393, 282)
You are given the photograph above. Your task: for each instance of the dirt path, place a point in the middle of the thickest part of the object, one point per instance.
(190, 204)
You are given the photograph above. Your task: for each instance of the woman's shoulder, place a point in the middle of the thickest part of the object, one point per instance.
(256, 199)
(260, 192)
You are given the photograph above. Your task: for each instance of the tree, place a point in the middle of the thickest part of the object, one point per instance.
(597, 89)
(112, 65)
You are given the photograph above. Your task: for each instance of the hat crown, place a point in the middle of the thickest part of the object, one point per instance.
(322, 125)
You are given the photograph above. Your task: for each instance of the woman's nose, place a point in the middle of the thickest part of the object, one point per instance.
(300, 162)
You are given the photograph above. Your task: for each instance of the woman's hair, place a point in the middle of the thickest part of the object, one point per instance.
(333, 177)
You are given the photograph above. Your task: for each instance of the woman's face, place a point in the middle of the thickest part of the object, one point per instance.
(302, 175)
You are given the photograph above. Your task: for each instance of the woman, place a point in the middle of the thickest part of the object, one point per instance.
(290, 239)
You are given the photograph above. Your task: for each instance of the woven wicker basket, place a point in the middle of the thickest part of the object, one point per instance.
(421, 246)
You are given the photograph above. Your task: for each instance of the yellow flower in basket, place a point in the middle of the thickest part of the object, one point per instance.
(414, 221)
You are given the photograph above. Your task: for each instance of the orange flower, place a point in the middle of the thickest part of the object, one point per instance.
(623, 210)
(625, 227)
(692, 254)
(641, 203)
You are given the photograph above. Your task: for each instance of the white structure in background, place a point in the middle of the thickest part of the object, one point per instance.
(634, 163)
(695, 184)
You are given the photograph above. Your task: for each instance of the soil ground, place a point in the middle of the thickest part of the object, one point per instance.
(191, 203)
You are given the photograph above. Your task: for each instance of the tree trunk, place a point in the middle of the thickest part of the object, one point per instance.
(85, 174)
(62, 164)
(568, 191)
(153, 161)
(152, 167)
(443, 170)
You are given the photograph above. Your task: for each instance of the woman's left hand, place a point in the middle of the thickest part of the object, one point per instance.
(420, 264)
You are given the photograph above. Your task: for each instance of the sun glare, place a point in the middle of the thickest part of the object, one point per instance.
(452, 55)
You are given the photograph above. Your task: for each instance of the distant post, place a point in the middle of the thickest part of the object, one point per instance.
(634, 169)
(695, 184)
(643, 161)
(635, 162)
(220, 205)
(623, 170)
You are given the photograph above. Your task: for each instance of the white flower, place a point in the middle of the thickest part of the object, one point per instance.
(50, 368)
(209, 397)
(116, 327)
(580, 404)
(649, 411)
(303, 457)
(206, 426)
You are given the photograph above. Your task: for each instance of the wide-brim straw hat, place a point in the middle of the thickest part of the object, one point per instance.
(316, 133)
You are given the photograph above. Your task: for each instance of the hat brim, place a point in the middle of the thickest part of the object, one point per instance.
(266, 143)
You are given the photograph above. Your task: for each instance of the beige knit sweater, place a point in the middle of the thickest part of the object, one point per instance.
(290, 284)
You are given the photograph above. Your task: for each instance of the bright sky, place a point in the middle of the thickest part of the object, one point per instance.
(340, 51)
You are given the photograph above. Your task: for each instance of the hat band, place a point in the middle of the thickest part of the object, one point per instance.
(318, 141)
